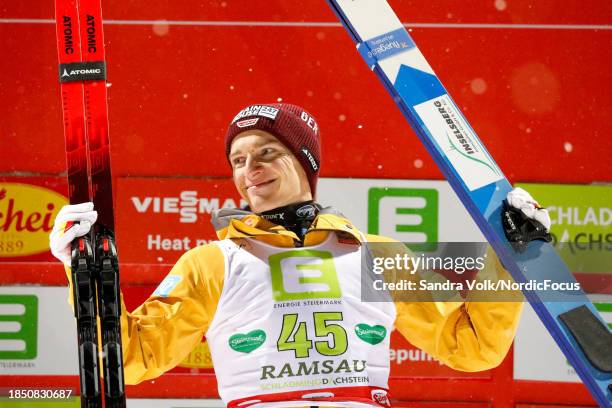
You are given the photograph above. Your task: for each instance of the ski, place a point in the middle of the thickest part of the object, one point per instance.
(105, 250)
(83, 280)
(569, 316)
(95, 267)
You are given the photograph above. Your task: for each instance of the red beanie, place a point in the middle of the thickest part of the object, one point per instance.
(291, 125)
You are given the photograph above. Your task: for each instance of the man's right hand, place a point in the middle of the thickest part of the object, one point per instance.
(81, 216)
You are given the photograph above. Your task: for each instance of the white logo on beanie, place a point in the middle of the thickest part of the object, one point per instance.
(311, 159)
(257, 110)
(310, 122)
(247, 122)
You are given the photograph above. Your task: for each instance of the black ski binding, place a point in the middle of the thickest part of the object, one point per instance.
(520, 229)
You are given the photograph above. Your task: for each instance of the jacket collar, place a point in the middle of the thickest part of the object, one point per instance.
(233, 223)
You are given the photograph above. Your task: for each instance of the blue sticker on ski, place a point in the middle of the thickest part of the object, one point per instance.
(385, 46)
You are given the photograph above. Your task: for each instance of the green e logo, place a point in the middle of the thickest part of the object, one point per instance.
(18, 327)
(303, 274)
(406, 214)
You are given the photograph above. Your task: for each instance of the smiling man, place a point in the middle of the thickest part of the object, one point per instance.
(266, 186)
(278, 296)
(274, 151)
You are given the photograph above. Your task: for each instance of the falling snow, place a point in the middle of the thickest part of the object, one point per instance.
(500, 5)
(160, 28)
(478, 86)
(567, 146)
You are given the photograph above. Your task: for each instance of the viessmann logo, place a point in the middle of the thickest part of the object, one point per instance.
(26, 218)
(187, 205)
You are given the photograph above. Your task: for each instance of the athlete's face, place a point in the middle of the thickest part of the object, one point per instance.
(266, 173)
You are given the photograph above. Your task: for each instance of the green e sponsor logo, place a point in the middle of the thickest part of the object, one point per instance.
(405, 214)
(18, 327)
(303, 274)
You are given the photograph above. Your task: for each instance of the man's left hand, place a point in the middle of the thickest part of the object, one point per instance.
(521, 199)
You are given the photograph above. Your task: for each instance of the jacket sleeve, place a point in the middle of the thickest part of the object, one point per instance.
(162, 331)
(466, 336)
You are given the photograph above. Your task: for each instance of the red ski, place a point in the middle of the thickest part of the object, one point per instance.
(95, 266)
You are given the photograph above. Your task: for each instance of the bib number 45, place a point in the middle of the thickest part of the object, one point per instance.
(295, 335)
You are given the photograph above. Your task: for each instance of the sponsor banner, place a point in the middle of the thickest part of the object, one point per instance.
(160, 219)
(28, 206)
(37, 332)
(537, 356)
(409, 361)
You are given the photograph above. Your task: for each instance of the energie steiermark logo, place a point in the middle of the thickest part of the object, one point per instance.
(18, 327)
(405, 214)
(303, 274)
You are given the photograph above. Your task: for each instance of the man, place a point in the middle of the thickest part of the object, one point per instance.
(278, 296)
